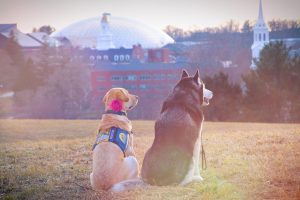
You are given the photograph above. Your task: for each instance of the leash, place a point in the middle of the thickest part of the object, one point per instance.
(203, 156)
(204, 165)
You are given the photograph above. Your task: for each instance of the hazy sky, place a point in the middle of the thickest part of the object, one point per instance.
(185, 14)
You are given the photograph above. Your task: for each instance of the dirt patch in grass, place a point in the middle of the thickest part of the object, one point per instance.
(52, 159)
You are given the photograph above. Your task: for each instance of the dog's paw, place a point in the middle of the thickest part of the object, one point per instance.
(117, 188)
(197, 178)
(186, 182)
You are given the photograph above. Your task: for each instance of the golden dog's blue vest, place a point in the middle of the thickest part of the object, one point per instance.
(115, 135)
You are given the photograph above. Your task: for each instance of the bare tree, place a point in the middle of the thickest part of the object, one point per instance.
(65, 94)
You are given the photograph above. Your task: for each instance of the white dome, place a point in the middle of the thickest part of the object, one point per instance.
(125, 33)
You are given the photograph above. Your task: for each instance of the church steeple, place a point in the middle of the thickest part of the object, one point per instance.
(260, 14)
(260, 35)
(260, 20)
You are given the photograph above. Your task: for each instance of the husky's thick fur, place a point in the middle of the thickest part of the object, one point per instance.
(173, 157)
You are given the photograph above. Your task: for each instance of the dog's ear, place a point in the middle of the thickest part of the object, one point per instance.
(122, 96)
(197, 77)
(105, 98)
(184, 74)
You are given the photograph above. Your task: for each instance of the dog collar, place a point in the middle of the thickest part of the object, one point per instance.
(122, 113)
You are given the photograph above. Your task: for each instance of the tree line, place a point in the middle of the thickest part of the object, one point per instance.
(271, 93)
(52, 86)
(287, 28)
(48, 86)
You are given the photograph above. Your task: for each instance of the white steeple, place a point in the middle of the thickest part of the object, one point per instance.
(104, 39)
(260, 14)
(260, 35)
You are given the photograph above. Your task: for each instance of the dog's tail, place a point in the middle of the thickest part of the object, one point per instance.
(127, 185)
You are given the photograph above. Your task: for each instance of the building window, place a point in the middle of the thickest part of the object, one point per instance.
(92, 58)
(99, 58)
(127, 57)
(143, 86)
(157, 54)
(159, 76)
(145, 77)
(259, 37)
(264, 37)
(100, 78)
(116, 78)
(105, 57)
(116, 58)
(131, 77)
(121, 57)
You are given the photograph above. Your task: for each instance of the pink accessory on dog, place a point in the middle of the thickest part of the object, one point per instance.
(116, 105)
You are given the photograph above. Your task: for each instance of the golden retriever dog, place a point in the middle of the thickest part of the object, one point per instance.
(114, 159)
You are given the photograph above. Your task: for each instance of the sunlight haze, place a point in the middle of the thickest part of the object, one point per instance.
(159, 13)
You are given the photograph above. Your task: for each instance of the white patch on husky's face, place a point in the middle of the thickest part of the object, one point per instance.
(207, 95)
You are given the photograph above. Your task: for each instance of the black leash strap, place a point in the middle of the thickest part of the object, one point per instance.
(204, 165)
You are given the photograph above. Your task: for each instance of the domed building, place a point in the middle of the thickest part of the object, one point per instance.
(112, 32)
(126, 53)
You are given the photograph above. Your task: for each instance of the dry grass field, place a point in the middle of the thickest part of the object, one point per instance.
(51, 159)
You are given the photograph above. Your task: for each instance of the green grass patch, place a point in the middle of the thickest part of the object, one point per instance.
(215, 187)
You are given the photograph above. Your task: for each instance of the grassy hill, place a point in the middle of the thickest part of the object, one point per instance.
(52, 159)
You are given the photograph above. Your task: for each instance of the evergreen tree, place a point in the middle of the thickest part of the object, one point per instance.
(14, 51)
(46, 29)
(7, 72)
(27, 78)
(247, 28)
(272, 89)
(44, 65)
(226, 103)
(65, 93)
(294, 87)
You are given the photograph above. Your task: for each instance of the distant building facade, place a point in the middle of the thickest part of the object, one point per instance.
(24, 40)
(149, 73)
(125, 53)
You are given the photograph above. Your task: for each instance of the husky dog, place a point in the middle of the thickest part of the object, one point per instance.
(173, 157)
